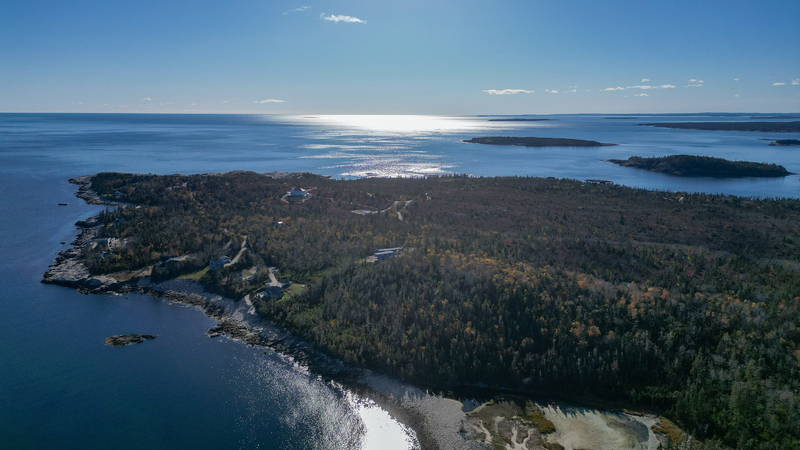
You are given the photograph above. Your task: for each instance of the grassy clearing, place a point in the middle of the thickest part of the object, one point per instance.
(194, 276)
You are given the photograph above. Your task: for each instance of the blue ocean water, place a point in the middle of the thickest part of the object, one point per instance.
(60, 387)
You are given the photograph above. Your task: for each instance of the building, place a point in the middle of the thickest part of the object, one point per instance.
(297, 192)
(219, 262)
(272, 292)
(386, 252)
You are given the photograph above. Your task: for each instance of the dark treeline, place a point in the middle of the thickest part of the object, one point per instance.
(703, 166)
(685, 302)
(766, 127)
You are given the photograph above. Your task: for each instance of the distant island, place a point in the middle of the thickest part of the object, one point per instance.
(517, 119)
(763, 127)
(534, 142)
(703, 166)
(785, 142)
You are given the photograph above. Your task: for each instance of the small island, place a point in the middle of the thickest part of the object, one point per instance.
(703, 166)
(785, 142)
(534, 142)
(762, 127)
(127, 339)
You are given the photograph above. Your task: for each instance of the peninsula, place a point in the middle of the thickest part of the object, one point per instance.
(534, 142)
(703, 166)
(686, 303)
(764, 127)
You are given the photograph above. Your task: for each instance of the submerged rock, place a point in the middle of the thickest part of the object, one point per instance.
(128, 339)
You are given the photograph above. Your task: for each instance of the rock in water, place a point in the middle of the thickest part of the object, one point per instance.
(128, 339)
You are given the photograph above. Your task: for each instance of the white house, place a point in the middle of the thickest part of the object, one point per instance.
(297, 192)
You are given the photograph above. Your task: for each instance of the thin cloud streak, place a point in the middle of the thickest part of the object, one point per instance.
(507, 91)
(341, 18)
(298, 9)
(663, 86)
(270, 100)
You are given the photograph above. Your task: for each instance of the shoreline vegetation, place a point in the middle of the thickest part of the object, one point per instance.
(785, 142)
(703, 166)
(681, 303)
(534, 142)
(762, 127)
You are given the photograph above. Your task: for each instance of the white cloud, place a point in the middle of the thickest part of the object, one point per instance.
(736, 95)
(193, 104)
(298, 9)
(645, 79)
(663, 86)
(572, 90)
(694, 85)
(147, 99)
(778, 84)
(618, 88)
(269, 100)
(641, 95)
(735, 79)
(796, 81)
(552, 92)
(506, 91)
(340, 18)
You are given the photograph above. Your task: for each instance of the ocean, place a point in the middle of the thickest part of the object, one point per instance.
(61, 387)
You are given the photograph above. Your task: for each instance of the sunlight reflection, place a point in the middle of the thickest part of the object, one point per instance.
(398, 123)
(381, 431)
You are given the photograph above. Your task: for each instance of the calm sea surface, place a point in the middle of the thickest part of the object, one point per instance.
(61, 387)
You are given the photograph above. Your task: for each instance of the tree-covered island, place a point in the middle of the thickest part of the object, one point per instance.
(534, 142)
(764, 127)
(685, 303)
(703, 166)
(785, 142)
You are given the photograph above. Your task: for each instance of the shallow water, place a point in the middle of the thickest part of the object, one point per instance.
(63, 388)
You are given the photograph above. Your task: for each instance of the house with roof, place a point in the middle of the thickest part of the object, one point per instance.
(219, 263)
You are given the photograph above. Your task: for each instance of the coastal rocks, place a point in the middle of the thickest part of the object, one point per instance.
(511, 423)
(71, 272)
(91, 197)
(127, 339)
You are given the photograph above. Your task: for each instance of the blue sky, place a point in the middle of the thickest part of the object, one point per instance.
(399, 57)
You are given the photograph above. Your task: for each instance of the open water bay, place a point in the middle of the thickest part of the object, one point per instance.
(61, 387)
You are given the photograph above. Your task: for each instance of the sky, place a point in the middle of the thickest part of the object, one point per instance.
(400, 57)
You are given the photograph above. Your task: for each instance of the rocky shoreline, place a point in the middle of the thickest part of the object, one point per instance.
(438, 423)
(123, 340)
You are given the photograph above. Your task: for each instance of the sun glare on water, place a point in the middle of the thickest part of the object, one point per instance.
(397, 123)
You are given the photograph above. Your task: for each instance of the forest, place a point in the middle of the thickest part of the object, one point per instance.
(682, 303)
(703, 166)
(535, 141)
(764, 127)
